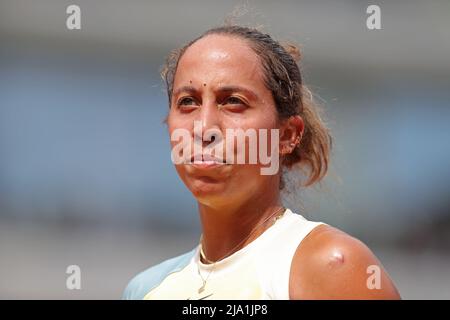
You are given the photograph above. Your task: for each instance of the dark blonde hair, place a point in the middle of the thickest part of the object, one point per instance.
(283, 78)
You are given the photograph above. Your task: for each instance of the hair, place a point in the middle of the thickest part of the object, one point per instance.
(283, 78)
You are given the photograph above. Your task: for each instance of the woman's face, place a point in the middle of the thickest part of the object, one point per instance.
(219, 84)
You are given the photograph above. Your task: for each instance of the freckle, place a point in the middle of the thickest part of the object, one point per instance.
(204, 84)
(190, 81)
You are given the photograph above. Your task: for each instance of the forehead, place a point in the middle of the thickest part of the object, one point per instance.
(220, 59)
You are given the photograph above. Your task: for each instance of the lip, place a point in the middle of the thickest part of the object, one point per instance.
(207, 162)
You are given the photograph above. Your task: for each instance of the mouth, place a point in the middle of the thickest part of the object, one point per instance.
(204, 161)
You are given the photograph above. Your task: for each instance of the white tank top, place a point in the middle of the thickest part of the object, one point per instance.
(260, 270)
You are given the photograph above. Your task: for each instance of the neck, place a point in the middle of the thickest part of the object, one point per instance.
(225, 227)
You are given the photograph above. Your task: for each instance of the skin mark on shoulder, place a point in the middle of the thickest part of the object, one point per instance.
(336, 258)
(331, 255)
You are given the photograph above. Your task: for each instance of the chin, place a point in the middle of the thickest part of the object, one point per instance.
(204, 186)
(207, 190)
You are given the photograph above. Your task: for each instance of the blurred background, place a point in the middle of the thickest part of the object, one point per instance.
(85, 170)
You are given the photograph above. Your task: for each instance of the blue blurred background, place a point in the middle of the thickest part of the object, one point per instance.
(85, 170)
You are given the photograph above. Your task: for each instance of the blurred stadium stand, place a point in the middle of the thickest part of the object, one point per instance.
(85, 171)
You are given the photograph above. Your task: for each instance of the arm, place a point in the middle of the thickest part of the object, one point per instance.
(330, 264)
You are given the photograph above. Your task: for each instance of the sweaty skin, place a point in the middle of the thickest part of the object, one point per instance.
(225, 71)
(219, 81)
(330, 264)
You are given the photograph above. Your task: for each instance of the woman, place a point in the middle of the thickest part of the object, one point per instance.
(251, 247)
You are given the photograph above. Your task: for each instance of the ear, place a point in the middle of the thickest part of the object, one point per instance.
(291, 132)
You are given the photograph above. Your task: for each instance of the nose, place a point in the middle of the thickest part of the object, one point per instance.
(210, 122)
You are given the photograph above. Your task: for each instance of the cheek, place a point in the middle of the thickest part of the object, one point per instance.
(265, 136)
(244, 181)
(246, 176)
(257, 118)
(175, 123)
(175, 119)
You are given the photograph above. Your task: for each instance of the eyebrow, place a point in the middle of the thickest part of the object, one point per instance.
(223, 89)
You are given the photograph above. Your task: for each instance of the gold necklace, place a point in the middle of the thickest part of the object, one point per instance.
(202, 254)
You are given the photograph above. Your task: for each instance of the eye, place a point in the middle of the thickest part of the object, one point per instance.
(234, 104)
(186, 104)
(186, 101)
(234, 100)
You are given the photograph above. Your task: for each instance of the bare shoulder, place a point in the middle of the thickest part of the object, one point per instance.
(330, 264)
